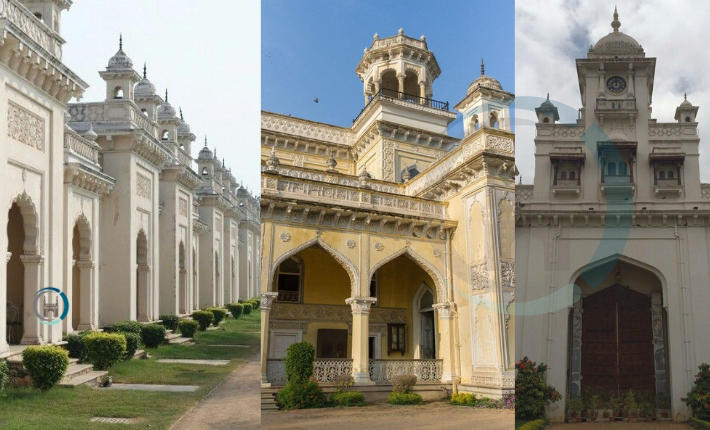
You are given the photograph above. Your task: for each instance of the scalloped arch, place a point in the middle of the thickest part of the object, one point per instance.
(408, 252)
(29, 222)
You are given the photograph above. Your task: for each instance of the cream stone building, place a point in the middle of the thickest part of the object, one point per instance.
(102, 201)
(612, 238)
(389, 244)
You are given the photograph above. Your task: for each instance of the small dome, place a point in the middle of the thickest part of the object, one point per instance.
(166, 110)
(685, 102)
(183, 127)
(120, 61)
(616, 43)
(145, 87)
(484, 81)
(205, 153)
(547, 103)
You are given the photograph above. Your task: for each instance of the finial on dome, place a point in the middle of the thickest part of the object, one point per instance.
(145, 70)
(206, 141)
(215, 152)
(615, 23)
(423, 38)
(181, 117)
(483, 68)
(166, 95)
(376, 36)
(401, 31)
(548, 95)
(120, 42)
(685, 96)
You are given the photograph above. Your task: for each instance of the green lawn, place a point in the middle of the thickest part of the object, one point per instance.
(72, 408)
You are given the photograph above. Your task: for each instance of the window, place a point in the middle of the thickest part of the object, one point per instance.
(662, 175)
(204, 171)
(288, 279)
(572, 175)
(563, 175)
(332, 343)
(687, 119)
(396, 338)
(622, 169)
(165, 135)
(145, 111)
(611, 169)
(474, 122)
(374, 288)
(546, 120)
(118, 93)
(671, 175)
(494, 120)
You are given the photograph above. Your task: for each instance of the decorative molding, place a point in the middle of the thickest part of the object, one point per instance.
(267, 300)
(25, 127)
(334, 313)
(285, 237)
(505, 380)
(143, 186)
(479, 277)
(360, 305)
(507, 272)
(379, 246)
(351, 244)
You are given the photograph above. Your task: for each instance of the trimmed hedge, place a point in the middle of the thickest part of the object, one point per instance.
(255, 304)
(75, 344)
(247, 308)
(404, 399)
(204, 318)
(348, 398)
(188, 328)
(301, 394)
(237, 309)
(699, 424)
(170, 321)
(45, 364)
(299, 361)
(4, 374)
(403, 383)
(153, 335)
(464, 399)
(219, 314)
(133, 342)
(105, 349)
(126, 327)
(538, 424)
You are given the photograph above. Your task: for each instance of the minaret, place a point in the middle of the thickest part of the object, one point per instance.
(146, 97)
(119, 76)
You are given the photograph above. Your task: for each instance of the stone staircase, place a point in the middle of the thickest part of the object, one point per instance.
(76, 374)
(175, 338)
(268, 401)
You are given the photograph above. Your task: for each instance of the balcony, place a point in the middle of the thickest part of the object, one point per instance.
(614, 105)
(396, 96)
(566, 186)
(618, 184)
(288, 296)
(667, 186)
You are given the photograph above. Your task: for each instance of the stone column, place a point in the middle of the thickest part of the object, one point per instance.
(400, 78)
(575, 382)
(422, 92)
(361, 328)
(88, 295)
(33, 274)
(143, 292)
(446, 350)
(267, 299)
(659, 345)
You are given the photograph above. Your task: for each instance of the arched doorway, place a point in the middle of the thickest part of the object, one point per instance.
(424, 319)
(142, 278)
(217, 280)
(195, 286)
(81, 294)
(182, 280)
(23, 273)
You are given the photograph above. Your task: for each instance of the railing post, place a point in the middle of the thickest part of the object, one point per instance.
(267, 299)
(361, 311)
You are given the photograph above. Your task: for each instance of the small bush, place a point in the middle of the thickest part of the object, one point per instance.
(236, 309)
(343, 382)
(242, 300)
(153, 335)
(255, 304)
(350, 398)
(75, 344)
(532, 394)
(698, 399)
(4, 374)
(301, 394)
(188, 328)
(247, 308)
(170, 321)
(403, 383)
(105, 349)
(538, 424)
(404, 399)
(126, 327)
(204, 318)
(464, 399)
(299, 361)
(45, 364)
(218, 314)
(133, 342)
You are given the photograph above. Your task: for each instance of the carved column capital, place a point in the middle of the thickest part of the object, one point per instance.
(360, 305)
(267, 299)
(446, 310)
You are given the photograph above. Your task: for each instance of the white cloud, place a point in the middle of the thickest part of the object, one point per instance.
(551, 34)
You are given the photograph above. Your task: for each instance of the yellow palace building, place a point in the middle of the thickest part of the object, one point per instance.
(389, 245)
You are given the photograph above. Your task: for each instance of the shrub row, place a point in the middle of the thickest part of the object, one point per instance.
(404, 399)
(236, 309)
(538, 424)
(188, 327)
(153, 335)
(218, 315)
(348, 398)
(170, 321)
(203, 318)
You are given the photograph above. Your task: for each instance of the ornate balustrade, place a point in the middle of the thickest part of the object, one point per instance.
(567, 183)
(325, 370)
(425, 370)
(14, 12)
(113, 112)
(81, 146)
(667, 182)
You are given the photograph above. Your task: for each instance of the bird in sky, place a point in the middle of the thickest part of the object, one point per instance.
(315, 100)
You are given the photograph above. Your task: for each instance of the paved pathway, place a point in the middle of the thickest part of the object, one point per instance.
(190, 361)
(236, 404)
(623, 426)
(153, 387)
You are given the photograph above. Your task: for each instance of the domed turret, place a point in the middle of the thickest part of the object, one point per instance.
(547, 112)
(686, 112)
(486, 104)
(484, 81)
(120, 61)
(145, 88)
(616, 44)
(205, 153)
(119, 76)
(166, 111)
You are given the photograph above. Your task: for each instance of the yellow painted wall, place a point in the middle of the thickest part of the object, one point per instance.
(326, 282)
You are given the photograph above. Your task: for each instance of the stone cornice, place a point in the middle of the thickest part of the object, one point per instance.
(335, 178)
(403, 133)
(306, 129)
(150, 149)
(612, 218)
(183, 175)
(305, 145)
(379, 99)
(88, 179)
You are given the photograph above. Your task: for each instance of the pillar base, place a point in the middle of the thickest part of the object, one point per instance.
(82, 327)
(362, 379)
(26, 340)
(448, 377)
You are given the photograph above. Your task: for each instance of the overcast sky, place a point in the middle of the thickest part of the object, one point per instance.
(207, 53)
(551, 34)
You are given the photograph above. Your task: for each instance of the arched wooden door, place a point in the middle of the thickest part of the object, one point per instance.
(617, 341)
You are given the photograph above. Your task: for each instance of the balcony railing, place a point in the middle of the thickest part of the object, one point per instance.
(288, 296)
(616, 104)
(325, 370)
(617, 180)
(388, 94)
(567, 183)
(667, 182)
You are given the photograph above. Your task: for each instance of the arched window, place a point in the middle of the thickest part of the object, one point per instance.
(563, 175)
(375, 287)
(165, 135)
(289, 279)
(546, 120)
(494, 120)
(687, 119)
(118, 93)
(572, 175)
(204, 171)
(662, 175)
(671, 175)
(611, 169)
(38, 15)
(413, 171)
(145, 111)
(622, 169)
(474, 122)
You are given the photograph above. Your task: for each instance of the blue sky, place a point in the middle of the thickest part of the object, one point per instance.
(310, 49)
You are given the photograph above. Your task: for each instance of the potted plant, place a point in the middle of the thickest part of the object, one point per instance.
(576, 405)
(630, 405)
(648, 409)
(594, 403)
(664, 404)
(616, 405)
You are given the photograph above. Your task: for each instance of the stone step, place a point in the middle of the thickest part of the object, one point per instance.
(76, 369)
(171, 336)
(92, 378)
(268, 401)
(139, 354)
(179, 340)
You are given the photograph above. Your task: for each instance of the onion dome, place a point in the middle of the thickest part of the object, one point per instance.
(205, 153)
(183, 128)
(685, 102)
(547, 108)
(484, 81)
(166, 111)
(145, 87)
(616, 43)
(120, 60)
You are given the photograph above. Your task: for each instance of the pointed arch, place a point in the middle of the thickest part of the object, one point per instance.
(417, 320)
(85, 240)
(30, 222)
(408, 252)
(349, 267)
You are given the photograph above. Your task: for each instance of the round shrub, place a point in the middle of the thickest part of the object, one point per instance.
(170, 321)
(105, 349)
(464, 399)
(255, 304)
(404, 399)
(153, 335)
(218, 314)
(698, 399)
(133, 342)
(126, 327)
(188, 328)
(348, 398)
(532, 394)
(247, 308)
(236, 309)
(299, 361)
(403, 383)
(301, 394)
(204, 318)
(75, 344)
(4, 374)
(45, 364)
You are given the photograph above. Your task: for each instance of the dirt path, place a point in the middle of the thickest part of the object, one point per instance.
(433, 416)
(623, 426)
(236, 404)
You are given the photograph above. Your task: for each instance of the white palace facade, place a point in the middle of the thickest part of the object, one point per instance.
(102, 199)
(389, 244)
(613, 255)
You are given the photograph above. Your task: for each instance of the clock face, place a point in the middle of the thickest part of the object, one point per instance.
(616, 84)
